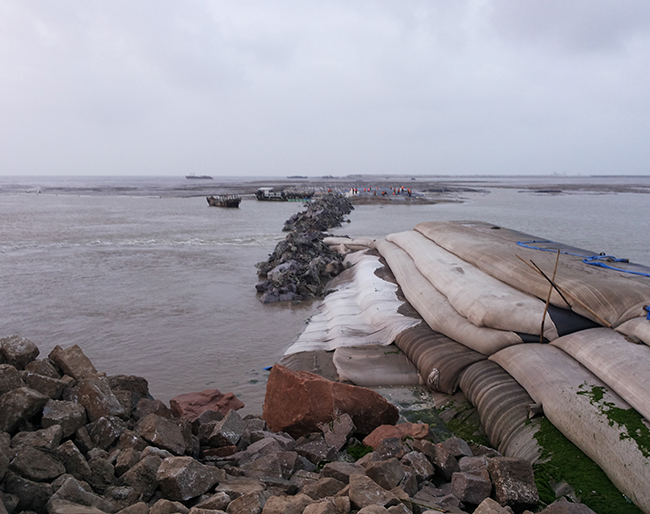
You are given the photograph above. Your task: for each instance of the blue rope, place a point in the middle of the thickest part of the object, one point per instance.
(647, 308)
(592, 260)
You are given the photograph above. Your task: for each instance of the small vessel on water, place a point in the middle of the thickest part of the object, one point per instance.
(202, 177)
(231, 201)
(267, 194)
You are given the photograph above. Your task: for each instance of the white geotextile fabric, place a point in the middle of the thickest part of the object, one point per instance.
(436, 310)
(569, 394)
(363, 311)
(358, 243)
(614, 296)
(638, 328)
(622, 365)
(479, 297)
(375, 366)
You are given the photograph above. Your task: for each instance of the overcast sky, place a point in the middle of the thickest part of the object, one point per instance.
(282, 87)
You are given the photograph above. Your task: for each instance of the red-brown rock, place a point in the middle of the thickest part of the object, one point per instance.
(414, 430)
(297, 402)
(191, 405)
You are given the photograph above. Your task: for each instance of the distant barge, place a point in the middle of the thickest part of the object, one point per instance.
(231, 201)
(266, 194)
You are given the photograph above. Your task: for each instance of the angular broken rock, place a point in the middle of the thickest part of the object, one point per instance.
(192, 405)
(74, 462)
(470, 488)
(46, 438)
(106, 431)
(420, 465)
(275, 464)
(163, 433)
(97, 397)
(142, 476)
(514, 482)
(137, 386)
(227, 431)
(43, 367)
(66, 507)
(387, 473)
(72, 361)
(316, 450)
(298, 402)
(73, 492)
(341, 470)
(251, 503)
(51, 387)
(10, 378)
(364, 491)
(338, 431)
(182, 478)
(18, 351)
(322, 488)
(37, 465)
(32, 496)
(18, 405)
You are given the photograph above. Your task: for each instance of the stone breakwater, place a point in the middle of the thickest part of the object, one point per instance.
(75, 441)
(300, 266)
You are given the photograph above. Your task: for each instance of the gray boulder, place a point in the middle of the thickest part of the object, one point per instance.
(514, 482)
(50, 387)
(338, 432)
(97, 397)
(70, 416)
(73, 460)
(470, 488)
(227, 431)
(43, 367)
(72, 491)
(142, 476)
(18, 351)
(106, 431)
(387, 473)
(341, 470)
(10, 378)
(32, 496)
(72, 361)
(163, 433)
(182, 478)
(37, 465)
(18, 405)
(365, 491)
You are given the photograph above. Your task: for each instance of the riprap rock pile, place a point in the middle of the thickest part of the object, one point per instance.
(301, 265)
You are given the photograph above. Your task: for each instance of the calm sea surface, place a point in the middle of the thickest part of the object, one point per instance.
(150, 281)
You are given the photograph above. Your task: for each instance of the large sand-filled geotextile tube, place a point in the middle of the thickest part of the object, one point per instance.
(436, 310)
(587, 412)
(637, 329)
(477, 296)
(439, 360)
(363, 311)
(600, 294)
(504, 407)
(622, 365)
(375, 366)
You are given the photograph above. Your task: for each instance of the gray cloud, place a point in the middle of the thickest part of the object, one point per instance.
(286, 87)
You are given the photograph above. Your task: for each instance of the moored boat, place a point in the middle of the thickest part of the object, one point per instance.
(231, 201)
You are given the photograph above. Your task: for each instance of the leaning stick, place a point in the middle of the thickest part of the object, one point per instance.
(548, 298)
(563, 292)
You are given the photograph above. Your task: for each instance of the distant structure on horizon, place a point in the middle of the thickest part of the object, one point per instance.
(204, 177)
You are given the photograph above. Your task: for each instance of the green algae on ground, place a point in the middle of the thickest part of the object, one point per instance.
(562, 460)
(629, 421)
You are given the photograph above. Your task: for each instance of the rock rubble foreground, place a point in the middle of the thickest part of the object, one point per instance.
(75, 441)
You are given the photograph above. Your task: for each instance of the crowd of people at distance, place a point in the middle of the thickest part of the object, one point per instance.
(381, 191)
